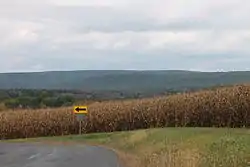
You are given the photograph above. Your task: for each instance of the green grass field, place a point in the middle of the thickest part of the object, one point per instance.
(171, 147)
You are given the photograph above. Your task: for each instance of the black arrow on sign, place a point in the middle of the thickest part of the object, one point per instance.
(80, 109)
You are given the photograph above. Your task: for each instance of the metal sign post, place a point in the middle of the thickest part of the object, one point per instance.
(80, 127)
(80, 113)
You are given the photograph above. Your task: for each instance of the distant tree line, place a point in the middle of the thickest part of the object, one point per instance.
(34, 99)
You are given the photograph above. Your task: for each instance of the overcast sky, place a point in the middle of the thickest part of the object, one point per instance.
(204, 35)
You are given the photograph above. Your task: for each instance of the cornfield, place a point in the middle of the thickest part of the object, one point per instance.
(222, 107)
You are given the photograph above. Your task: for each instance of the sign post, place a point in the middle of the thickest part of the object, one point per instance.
(80, 113)
(80, 127)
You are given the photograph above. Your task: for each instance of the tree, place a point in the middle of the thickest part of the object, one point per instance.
(58, 101)
(35, 103)
(49, 102)
(11, 103)
(25, 102)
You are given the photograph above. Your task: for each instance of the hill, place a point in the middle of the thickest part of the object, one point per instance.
(121, 80)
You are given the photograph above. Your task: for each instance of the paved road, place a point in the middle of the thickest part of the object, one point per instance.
(38, 155)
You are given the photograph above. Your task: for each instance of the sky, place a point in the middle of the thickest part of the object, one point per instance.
(53, 35)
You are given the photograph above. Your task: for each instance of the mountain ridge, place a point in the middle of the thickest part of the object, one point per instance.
(125, 80)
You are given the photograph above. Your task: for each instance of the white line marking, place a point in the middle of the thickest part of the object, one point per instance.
(53, 152)
(33, 156)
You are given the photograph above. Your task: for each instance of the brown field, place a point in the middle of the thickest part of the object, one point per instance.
(223, 107)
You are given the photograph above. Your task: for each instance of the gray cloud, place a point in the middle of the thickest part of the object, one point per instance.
(48, 35)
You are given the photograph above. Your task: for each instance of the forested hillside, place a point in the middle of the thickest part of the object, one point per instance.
(121, 80)
(56, 89)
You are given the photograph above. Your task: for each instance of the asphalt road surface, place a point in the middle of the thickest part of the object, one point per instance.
(41, 155)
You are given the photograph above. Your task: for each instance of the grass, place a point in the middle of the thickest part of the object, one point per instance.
(171, 147)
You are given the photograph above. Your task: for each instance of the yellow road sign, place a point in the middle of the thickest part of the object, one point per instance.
(81, 110)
